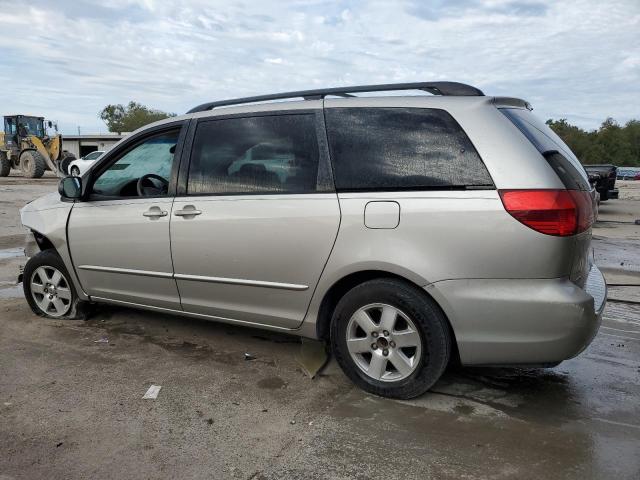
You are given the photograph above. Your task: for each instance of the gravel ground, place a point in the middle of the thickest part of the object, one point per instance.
(71, 403)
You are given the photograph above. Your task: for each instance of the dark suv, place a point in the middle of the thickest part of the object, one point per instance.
(605, 184)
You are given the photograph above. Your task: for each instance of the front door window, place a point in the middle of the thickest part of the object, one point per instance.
(144, 171)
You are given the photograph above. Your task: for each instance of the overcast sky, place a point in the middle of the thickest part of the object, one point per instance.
(67, 59)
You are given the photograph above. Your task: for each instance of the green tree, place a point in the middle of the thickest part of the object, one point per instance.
(611, 137)
(576, 138)
(127, 118)
(632, 138)
(611, 143)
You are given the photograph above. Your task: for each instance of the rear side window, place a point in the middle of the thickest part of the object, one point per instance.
(558, 155)
(267, 154)
(401, 149)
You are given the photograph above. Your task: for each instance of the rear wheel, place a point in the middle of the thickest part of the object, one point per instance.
(390, 338)
(32, 164)
(48, 288)
(5, 164)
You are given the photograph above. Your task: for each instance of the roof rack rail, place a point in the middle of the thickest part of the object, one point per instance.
(436, 88)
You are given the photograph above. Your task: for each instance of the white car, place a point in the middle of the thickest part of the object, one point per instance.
(81, 165)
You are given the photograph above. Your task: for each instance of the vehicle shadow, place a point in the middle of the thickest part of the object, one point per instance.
(544, 395)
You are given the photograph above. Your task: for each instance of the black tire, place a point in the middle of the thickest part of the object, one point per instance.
(429, 320)
(32, 164)
(5, 165)
(77, 310)
(75, 171)
(65, 159)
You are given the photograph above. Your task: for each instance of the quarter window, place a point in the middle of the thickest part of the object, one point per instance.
(401, 149)
(266, 154)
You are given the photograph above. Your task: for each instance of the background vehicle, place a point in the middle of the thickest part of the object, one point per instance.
(79, 166)
(594, 178)
(404, 231)
(606, 184)
(628, 173)
(25, 145)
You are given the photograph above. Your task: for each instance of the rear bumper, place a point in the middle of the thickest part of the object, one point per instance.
(522, 322)
(613, 193)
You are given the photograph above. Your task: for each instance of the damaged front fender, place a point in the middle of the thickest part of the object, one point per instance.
(31, 246)
(46, 218)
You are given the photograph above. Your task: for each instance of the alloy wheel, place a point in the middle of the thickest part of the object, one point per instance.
(51, 291)
(384, 342)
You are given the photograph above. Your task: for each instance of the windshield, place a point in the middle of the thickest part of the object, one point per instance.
(31, 125)
(92, 155)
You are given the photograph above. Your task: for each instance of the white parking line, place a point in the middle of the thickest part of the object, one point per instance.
(622, 330)
(621, 424)
(621, 337)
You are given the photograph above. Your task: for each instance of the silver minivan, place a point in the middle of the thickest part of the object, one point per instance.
(406, 231)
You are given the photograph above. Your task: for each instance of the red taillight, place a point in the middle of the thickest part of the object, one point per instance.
(552, 212)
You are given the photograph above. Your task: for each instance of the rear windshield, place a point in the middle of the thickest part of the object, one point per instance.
(551, 146)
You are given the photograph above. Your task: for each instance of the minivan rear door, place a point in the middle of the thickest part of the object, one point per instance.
(256, 217)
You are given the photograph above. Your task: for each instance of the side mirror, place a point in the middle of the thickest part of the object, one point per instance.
(70, 187)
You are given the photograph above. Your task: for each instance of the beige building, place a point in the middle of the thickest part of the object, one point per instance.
(81, 145)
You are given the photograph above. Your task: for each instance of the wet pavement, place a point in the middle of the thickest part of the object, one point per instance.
(71, 403)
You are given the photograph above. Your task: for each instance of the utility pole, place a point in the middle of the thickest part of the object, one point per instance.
(79, 144)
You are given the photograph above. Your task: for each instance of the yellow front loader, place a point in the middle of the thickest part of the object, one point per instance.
(26, 146)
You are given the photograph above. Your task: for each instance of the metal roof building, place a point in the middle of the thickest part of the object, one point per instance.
(81, 145)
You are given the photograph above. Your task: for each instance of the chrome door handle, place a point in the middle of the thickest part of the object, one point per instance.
(187, 211)
(155, 212)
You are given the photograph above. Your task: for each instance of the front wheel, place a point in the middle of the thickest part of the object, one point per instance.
(390, 338)
(32, 164)
(5, 164)
(48, 288)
